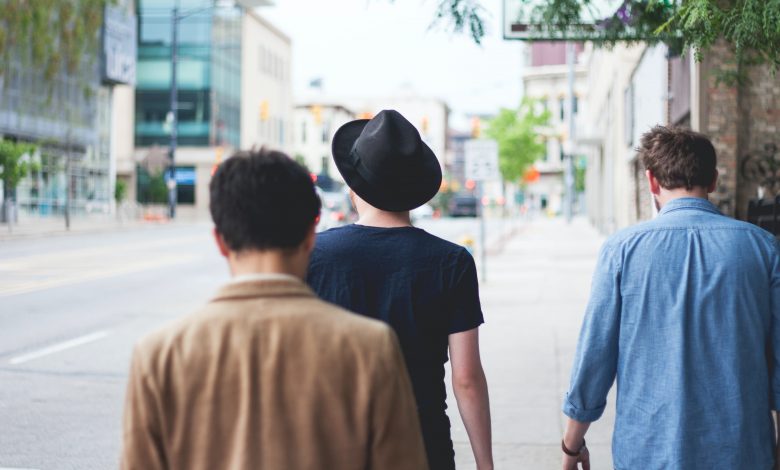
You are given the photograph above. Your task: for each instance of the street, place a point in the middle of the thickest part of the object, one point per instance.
(71, 308)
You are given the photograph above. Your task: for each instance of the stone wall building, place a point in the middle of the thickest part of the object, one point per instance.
(634, 88)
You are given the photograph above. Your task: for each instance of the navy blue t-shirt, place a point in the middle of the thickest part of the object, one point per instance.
(424, 287)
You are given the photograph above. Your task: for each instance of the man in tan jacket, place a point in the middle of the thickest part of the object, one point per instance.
(267, 376)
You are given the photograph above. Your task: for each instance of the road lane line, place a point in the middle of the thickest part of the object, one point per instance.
(91, 273)
(72, 343)
(36, 260)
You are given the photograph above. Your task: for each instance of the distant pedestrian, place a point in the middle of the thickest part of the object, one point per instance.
(684, 311)
(424, 287)
(267, 376)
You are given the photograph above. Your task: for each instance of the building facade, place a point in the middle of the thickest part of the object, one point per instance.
(71, 120)
(429, 115)
(545, 80)
(234, 92)
(632, 89)
(606, 133)
(314, 125)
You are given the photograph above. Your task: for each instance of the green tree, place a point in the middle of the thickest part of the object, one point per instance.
(50, 34)
(120, 190)
(15, 164)
(750, 27)
(517, 134)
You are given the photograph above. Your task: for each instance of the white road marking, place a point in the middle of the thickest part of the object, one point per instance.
(72, 343)
(91, 273)
(16, 468)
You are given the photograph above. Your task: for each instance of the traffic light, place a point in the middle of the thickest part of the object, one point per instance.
(476, 127)
(218, 151)
(424, 124)
(365, 115)
(316, 112)
(470, 185)
(264, 110)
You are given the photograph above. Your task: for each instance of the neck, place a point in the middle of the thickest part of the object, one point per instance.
(665, 196)
(378, 218)
(267, 262)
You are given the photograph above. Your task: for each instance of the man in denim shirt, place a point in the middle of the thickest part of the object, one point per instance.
(685, 312)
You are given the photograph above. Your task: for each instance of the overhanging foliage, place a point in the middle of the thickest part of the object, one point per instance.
(750, 27)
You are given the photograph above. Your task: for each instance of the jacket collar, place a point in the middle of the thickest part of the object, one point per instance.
(694, 203)
(263, 288)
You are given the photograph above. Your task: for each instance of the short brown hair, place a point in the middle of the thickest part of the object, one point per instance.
(678, 158)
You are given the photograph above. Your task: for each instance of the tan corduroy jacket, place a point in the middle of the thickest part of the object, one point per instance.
(267, 376)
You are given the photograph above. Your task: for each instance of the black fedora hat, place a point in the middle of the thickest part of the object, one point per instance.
(386, 163)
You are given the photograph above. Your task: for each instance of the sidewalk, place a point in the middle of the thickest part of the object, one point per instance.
(536, 293)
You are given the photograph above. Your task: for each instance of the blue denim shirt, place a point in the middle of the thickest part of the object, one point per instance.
(684, 310)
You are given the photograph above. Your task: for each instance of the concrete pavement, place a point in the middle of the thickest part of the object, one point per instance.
(533, 303)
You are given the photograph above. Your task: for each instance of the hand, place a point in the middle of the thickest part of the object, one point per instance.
(570, 463)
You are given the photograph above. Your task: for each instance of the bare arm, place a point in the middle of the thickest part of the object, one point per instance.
(574, 439)
(471, 392)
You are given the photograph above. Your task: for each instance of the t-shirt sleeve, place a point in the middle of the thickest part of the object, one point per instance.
(465, 306)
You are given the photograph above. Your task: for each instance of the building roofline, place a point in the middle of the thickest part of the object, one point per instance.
(324, 105)
(263, 21)
(552, 71)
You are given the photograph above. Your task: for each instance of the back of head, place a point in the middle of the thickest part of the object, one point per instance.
(262, 200)
(678, 158)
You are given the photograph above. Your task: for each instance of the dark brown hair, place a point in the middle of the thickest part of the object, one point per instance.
(263, 200)
(678, 158)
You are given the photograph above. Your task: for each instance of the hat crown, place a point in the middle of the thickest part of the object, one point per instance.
(385, 161)
(388, 142)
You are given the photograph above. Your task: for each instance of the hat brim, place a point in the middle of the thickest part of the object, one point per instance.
(414, 191)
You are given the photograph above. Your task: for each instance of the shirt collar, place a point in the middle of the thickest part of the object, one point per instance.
(694, 203)
(263, 277)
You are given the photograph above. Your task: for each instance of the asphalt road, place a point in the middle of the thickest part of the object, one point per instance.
(71, 308)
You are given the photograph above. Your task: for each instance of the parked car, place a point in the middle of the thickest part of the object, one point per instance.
(463, 205)
(336, 209)
(423, 212)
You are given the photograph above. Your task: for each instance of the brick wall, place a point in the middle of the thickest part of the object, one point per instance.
(721, 122)
(740, 120)
(760, 123)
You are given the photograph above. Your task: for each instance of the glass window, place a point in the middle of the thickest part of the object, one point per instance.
(562, 107)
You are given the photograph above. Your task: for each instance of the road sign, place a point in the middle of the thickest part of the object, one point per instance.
(482, 160)
(522, 20)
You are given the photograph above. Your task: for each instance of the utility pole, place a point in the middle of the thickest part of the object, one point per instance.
(568, 171)
(174, 121)
(482, 236)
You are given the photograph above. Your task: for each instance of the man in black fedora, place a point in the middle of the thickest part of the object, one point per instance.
(424, 287)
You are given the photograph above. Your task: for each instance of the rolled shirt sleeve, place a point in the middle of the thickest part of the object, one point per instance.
(595, 362)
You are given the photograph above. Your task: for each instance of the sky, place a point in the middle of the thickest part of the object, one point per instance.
(364, 48)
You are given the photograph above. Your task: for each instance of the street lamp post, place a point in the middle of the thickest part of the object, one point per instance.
(173, 114)
(568, 171)
(174, 121)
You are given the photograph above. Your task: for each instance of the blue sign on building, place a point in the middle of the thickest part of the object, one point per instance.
(184, 176)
